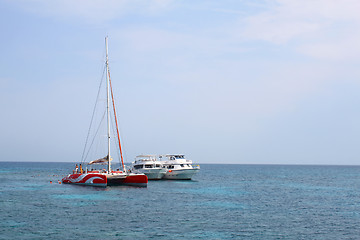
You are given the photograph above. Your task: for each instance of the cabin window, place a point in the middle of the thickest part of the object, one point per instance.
(158, 165)
(181, 165)
(148, 166)
(138, 166)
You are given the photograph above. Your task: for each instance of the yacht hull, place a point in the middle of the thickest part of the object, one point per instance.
(137, 180)
(103, 180)
(180, 174)
(89, 179)
(153, 174)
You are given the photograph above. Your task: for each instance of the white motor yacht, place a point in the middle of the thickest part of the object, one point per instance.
(178, 168)
(150, 166)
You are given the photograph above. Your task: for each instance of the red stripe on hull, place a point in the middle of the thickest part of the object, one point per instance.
(91, 179)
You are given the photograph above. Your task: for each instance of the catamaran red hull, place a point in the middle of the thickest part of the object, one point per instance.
(136, 180)
(90, 179)
(102, 180)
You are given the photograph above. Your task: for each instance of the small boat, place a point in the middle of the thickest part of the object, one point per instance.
(178, 168)
(150, 166)
(106, 176)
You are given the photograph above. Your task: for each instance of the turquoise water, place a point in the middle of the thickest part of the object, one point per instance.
(222, 202)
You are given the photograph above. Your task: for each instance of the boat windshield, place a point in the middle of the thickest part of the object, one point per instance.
(173, 157)
(138, 166)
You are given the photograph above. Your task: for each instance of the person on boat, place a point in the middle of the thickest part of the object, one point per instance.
(76, 168)
(81, 170)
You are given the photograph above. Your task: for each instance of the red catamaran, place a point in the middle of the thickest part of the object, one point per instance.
(107, 177)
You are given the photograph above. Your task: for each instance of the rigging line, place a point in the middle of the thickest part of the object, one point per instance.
(117, 128)
(92, 117)
(102, 119)
(115, 140)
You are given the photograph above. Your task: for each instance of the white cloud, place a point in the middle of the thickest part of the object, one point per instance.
(345, 49)
(277, 27)
(318, 28)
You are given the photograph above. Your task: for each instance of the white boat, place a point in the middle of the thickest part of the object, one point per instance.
(106, 177)
(150, 166)
(178, 168)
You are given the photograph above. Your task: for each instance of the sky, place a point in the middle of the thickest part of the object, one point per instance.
(231, 81)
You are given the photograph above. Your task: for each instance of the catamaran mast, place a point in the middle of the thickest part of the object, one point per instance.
(108, 103)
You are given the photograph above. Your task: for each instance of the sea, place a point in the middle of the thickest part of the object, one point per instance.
(221, 202)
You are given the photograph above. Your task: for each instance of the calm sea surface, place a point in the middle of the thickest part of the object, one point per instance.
(222, 202)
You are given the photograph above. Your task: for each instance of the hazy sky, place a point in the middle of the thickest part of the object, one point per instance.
(231, 81)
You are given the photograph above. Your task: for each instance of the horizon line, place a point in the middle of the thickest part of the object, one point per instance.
(275, 164)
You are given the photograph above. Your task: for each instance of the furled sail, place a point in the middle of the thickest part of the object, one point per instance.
(103, 160)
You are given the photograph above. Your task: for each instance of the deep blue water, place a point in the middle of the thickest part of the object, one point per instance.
(222, 202)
